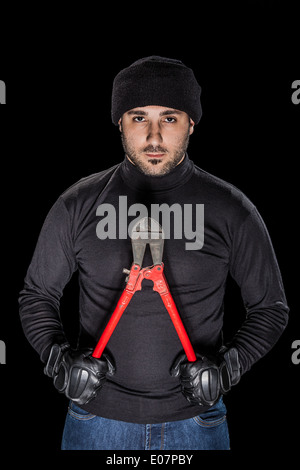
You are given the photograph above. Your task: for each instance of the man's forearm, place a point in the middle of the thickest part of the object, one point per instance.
(40, 321)
(259, 333)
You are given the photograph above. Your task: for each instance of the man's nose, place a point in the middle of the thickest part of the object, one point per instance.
(154, 134)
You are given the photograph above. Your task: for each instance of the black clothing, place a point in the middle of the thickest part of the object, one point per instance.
(159, 81)
(144, 343)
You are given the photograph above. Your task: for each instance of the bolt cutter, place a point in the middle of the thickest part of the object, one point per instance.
(145, 232)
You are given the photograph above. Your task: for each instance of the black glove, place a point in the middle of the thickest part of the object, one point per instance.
(205, 380)
(76, 373)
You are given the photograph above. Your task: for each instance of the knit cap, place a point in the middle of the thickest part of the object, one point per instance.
(156, 81)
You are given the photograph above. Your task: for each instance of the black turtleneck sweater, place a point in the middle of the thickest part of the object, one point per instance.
(144, 343)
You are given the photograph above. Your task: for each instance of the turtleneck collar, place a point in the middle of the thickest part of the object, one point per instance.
(136, 179)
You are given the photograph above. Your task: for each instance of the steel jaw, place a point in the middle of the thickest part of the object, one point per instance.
(147, 231)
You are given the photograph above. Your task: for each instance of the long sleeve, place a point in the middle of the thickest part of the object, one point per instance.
(51, 267)
(254, 267)
(235, 240)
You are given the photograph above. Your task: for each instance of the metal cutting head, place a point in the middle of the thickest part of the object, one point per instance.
(147, 231)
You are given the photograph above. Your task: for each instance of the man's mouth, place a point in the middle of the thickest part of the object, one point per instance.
(155, 152)
(155, 155)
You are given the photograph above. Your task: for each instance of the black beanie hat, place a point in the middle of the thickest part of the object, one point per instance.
(156, 81)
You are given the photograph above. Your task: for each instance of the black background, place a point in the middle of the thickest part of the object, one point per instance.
(58, 65)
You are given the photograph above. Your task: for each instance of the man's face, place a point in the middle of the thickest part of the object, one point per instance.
(155, 138)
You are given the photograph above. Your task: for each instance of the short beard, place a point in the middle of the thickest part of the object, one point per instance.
(170, 165)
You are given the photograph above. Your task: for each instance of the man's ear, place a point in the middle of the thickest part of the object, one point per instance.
(120, 124)
(191, 126)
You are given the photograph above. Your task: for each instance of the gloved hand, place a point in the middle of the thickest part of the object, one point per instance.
(76, 373)
(205, 380)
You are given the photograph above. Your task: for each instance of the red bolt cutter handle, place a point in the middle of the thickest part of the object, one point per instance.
(161, 286)
(133, 284)
(118, 312)
(171, 307)
(155, 273)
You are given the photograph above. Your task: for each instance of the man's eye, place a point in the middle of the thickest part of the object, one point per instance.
(170, 119)
(139, 119)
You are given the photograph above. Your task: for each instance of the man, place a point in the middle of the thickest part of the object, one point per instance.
(143, 392)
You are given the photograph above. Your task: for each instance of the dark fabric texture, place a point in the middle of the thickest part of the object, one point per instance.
(145, 344)
(156, 81)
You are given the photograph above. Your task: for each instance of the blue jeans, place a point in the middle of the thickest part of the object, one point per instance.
(85, 431)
